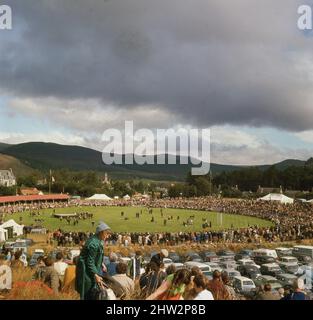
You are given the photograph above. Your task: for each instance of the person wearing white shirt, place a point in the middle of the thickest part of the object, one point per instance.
(200, 288)
(59, 265)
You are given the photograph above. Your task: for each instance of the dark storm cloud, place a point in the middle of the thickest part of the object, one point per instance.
(207, 62)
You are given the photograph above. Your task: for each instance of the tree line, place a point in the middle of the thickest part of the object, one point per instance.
(234, 183)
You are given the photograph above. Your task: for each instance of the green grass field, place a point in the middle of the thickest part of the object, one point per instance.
(112, 216)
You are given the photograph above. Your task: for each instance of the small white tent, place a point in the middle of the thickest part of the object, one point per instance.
(126, 197)
(99, 197)
(17, 229)
(3, 234)
(277, 197)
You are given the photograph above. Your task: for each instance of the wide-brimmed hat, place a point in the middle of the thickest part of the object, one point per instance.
(164, 253)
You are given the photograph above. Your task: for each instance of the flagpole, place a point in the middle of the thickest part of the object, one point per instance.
(50, 182)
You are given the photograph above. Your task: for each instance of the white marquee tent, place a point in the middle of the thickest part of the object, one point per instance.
(3, 234)
(277, 197)
(17, 228)
(99, 197)
(126, 197)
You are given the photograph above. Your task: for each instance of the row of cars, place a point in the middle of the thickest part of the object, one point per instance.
(249, 269)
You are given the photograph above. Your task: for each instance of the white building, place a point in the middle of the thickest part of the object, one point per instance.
(7, 178)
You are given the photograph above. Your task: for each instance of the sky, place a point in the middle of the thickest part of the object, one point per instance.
(70, 70)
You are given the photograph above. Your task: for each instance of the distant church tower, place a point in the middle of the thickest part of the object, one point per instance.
(106, 179)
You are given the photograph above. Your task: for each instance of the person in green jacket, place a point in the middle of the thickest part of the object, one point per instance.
(89, 267)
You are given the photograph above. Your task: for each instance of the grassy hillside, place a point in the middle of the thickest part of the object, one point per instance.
(44, 156)
(19, 169)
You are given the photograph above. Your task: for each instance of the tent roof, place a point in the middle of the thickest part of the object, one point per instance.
(277, 197)
(10, 223)
(99, 197)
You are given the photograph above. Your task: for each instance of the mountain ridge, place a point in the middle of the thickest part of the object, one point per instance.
(44, 156)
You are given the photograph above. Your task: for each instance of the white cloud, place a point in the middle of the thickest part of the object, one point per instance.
(54, 137)
(88, 115)
(231, 136)
(306, 136)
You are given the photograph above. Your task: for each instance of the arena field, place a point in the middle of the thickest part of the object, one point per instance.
(129, 222)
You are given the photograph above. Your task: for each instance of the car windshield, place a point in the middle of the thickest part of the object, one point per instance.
(247, 283)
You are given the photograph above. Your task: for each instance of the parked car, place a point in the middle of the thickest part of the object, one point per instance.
(300, 251)
(243, 254)
(214, 266)
(305, 269)
(228, 264)
(209, 256)
(232, 273)
(286, 279)
(8, 245)
(247, 262)
(202, 266)
(250, 271)
(174, 256)
(270, 269)
(178, 265)
(264, 253)
(206, 270)
(193, 256)
(289, 264)
(226, 253)
(34, 258)
(259, 260)
(282, 252)
(262, 280)
(167, 262)
(243, 285)
(304, 259)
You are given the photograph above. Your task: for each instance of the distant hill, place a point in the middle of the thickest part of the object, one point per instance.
(45, 156)
(3, 146)
(19, 169)
(285, 164)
